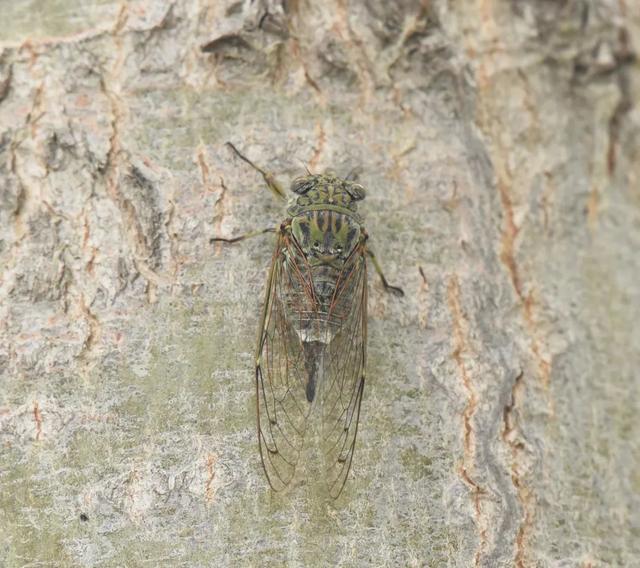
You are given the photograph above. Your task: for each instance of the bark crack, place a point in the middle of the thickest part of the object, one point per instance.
(219, 213)
(508, 257)
(509, 235)
(209, 490)
(510, 436)
(37, 416)
(423, 300)
(26, 193)
(94, 328)
(118, 112)
(204, 167)
(623, 57)
(111, 87)
(319, 147)
(467, 467)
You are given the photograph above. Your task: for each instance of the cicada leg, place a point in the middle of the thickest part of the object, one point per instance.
(388, 287)
(272, 183)
(243, 237)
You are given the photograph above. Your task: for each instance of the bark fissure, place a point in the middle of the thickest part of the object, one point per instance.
(512, 438)
(467, 467)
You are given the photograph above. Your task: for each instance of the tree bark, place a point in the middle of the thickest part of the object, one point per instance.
(499, 143)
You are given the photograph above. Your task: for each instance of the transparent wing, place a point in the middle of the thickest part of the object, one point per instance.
(344, 373)
(282, 408)
(283, 368)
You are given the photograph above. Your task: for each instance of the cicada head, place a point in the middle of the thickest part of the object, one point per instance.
(317, 191)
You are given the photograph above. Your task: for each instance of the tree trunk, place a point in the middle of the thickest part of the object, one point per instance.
(499, 143)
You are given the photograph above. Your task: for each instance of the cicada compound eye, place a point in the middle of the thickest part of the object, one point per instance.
(356, 191)
(302, 184)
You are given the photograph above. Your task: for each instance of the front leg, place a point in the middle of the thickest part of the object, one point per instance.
(243, 237)
(388, 287)
(272, 183)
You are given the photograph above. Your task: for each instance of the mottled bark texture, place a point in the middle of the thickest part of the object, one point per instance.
(500, 145)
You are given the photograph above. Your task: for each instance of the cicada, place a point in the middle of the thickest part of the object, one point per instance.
(312, 341)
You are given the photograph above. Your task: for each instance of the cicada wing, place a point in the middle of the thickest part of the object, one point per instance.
(344, 373)
(282, 407)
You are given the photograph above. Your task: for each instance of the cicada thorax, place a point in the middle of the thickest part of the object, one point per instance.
(319, 263)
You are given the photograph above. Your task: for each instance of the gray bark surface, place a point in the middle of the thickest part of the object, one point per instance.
(500, 147)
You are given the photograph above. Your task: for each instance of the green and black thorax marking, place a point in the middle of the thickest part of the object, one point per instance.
(324, 217)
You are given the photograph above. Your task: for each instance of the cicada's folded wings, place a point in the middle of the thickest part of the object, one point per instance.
(282, 406)
(344, 373)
